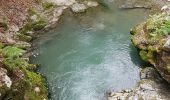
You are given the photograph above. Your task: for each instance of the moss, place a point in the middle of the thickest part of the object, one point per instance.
(1, 45)
(12, 58)
(4, 25)
(158, 25)
(17, 91)
(168, 68)
(33, 26)
(143, 55)
(12, 63)
(47, 5)
(151, 48)
(147, 56)
(25, 38)
(38, 1)
(38, 25)
(22, 45)
(31, 11)
(3, 91)
(35, 80)
(23, 89)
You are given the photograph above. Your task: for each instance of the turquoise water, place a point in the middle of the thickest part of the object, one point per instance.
(90, 53)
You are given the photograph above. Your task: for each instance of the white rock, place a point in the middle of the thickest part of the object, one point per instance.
(164, 8)
(146, 87)
(5, 80)
(34, 17)
(8, 81)
(14, 28)
(78, 7)
(167, 44)
(91, 3)
(37, 89)
(30, 32)
(63, 2)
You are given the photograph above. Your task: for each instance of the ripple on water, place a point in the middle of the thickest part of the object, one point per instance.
(90, 54)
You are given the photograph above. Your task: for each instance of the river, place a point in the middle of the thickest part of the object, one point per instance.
(90, 53)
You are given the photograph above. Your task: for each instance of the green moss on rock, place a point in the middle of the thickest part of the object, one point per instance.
(36, 82)
(23, 37)
(147, 56)
(13, 63)
(33, 26)
(150, 37)
(47, 5)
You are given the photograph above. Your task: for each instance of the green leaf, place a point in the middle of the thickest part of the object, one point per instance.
(10, 51)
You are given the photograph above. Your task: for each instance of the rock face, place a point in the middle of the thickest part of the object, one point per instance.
(151, 87)
(152, 38)
(146, 4)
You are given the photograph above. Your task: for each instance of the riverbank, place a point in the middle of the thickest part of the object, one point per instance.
(152, 39)
(20, 21)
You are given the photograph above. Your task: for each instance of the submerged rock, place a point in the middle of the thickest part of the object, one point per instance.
(151, 87)
(144, 4)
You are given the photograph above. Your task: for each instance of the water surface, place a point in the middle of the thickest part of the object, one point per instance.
(90, 53)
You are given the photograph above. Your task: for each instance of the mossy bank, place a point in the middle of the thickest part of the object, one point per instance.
(18, 26)
(152, 38)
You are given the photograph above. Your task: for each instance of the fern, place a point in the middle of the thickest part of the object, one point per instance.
(10, 51)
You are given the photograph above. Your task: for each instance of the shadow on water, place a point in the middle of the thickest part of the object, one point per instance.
(135, 57)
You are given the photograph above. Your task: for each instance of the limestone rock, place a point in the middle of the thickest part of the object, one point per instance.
(62, 2)
(91, 3)
(37, 89)
(77, 7)
(4, 78)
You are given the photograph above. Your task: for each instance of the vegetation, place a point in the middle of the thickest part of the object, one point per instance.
(150, 37)
(11, 52)
(26, 83)
(47, 5)
(158, 25)
(33, 26)
(147, 56)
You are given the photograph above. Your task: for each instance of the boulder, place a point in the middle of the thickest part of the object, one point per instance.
(152, 39)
